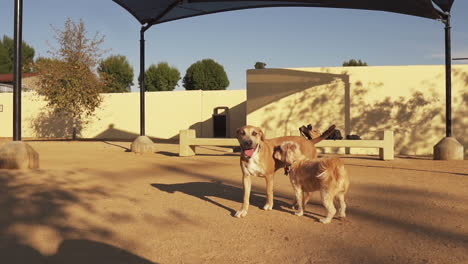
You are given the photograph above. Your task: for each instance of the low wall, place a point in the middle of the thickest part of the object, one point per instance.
(410, 100)
(119, 115)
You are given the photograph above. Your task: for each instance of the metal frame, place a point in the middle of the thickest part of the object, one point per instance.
(433, 13)
(448, 69)
(17, 69)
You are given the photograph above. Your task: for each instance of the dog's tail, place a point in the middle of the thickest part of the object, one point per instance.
(324, 135)
(331, 167)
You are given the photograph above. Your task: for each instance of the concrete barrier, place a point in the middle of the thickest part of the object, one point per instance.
(188, 142)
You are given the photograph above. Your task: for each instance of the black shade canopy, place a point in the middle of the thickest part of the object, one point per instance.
(152, 12)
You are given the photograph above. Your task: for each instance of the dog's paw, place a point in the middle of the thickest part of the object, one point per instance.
(299, 213)
(342, 215)
(241, 213)
(325, 221)
(294, 205)
(268, 207)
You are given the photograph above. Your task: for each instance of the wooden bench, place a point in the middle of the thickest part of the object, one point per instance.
(188, 141)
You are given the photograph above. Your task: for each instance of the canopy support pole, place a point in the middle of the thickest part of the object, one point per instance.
(18, 154)
(142, 144)
(448, 148)
(17, 69)
(142, 81)
(448, 78)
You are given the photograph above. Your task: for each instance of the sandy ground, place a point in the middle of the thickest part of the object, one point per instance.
(94, 202)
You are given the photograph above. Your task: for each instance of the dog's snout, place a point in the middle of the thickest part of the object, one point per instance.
(247, 143)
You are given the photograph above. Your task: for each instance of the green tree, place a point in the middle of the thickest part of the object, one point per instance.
(117, 71)
(161, 77)
(206, 75)
(7, 52)
(260, 65)
(5, 63)
(353, 62)
(68, 80)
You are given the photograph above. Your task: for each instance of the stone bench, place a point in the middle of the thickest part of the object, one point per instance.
(188, 141)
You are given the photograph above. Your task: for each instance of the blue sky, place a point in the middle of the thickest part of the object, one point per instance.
(281, 37)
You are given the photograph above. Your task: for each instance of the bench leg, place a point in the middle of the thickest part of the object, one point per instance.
(185, 137)
(387, 152)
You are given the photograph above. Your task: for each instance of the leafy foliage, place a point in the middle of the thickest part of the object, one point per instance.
(7, 52)
(117, 71)
(69, 88)
(353, 62)
(206, 75)
(5, 62)
(67, 80)
(260, 65)
(161, 77)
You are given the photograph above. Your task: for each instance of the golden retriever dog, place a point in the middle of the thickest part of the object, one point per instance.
(257, 159)
(326, 175)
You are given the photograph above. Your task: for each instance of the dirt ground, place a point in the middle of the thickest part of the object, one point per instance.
(95, 202)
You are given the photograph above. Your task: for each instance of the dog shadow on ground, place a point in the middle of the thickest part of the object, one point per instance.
(167, 153)
(221, 154)
(205, 190)
(72, 251)
(208, 151)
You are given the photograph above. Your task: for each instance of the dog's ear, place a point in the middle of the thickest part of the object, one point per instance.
(278, 153)
(292, 151)
(262, 136)
(288, 145)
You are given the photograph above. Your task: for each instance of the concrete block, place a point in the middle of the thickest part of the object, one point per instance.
(18, 155)
(142, 144)
(185, 140)
(448, 149)
(387, 152)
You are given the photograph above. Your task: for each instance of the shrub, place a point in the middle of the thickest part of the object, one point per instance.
(206, 75)
(161, 77)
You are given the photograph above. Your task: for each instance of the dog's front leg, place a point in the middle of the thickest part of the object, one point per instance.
(269, 188)
(305, 199)
(300, 200)
(247, 182)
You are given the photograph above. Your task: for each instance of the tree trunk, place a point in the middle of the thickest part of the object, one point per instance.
(74, 129)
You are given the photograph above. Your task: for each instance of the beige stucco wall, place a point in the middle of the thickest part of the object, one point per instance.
(361, 100)
(118, 117)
